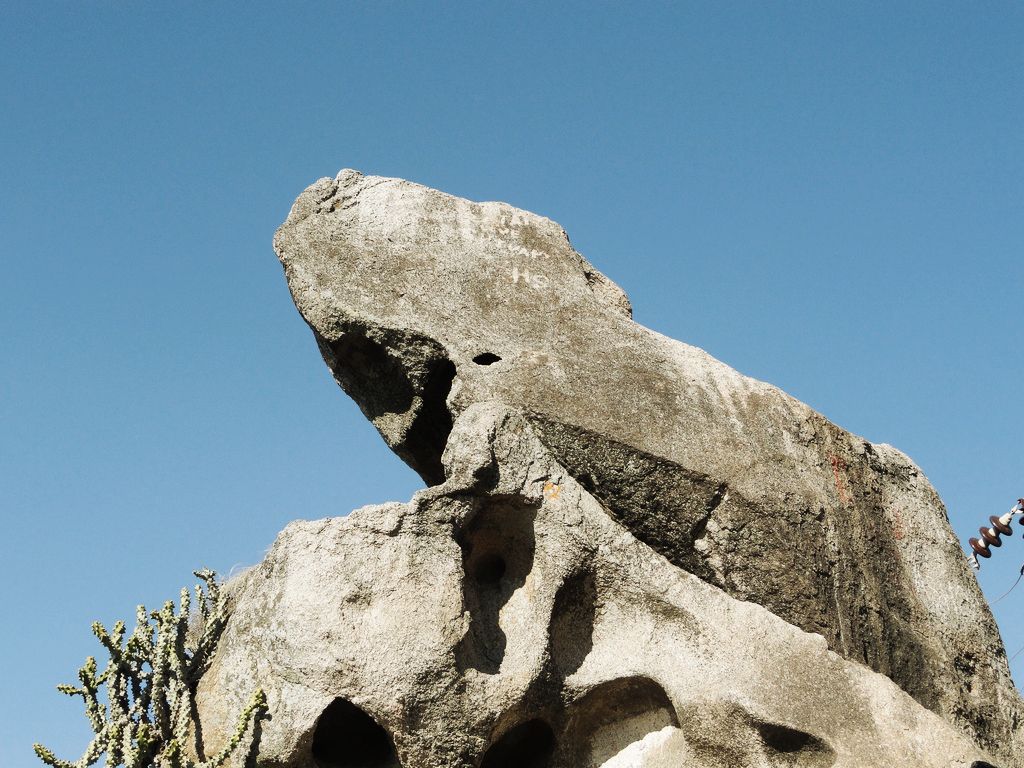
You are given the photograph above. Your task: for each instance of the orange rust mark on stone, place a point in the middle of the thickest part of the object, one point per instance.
(551, 490)
(899, 530)
(838, 464)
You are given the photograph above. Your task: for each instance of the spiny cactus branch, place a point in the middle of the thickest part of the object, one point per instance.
(150, 683)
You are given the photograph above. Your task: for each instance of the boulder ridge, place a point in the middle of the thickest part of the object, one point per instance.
(628, 553)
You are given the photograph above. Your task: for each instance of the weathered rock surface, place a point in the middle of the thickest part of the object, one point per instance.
(504, 619)
(426, 305)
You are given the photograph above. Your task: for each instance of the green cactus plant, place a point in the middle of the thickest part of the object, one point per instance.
(150, 681)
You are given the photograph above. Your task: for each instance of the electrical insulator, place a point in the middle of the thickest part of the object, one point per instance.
(990, 537)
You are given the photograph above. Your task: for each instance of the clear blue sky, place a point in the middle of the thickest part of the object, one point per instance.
(827, 196)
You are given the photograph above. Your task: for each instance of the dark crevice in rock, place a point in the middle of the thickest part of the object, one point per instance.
(527, 745)
(427, 437)
(348, 737)
(720, 493)
(700, 527)
(782, 739)
(489, 569)
(572, 623)
(498, 544)
(369, 373)
(486, 358)
(401, 382)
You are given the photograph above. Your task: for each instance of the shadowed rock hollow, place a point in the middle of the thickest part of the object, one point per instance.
(631, 554)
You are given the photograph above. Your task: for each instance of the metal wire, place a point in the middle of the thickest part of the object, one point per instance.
(1011, 588)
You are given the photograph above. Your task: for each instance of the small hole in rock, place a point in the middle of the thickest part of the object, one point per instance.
(489, 569)
(528, 745)
(486, 358)
(347, 737)
(785, 740)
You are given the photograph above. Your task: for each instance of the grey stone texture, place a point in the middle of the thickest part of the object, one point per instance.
(503, 618)
(629, 553)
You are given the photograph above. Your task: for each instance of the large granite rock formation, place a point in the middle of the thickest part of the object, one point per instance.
(504, 619)
(629, 555)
